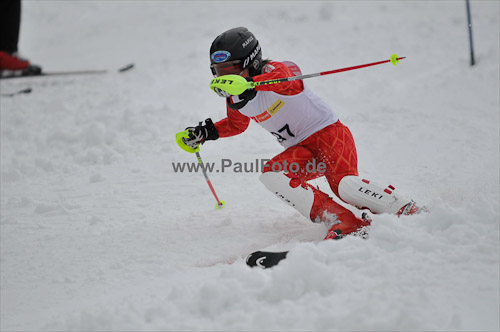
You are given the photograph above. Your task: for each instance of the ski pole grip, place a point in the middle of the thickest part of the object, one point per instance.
(179, 139)
(233, 84)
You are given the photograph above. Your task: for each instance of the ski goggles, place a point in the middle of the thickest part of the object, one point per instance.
(227, 68)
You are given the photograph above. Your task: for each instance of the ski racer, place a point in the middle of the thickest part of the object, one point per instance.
(309, 131)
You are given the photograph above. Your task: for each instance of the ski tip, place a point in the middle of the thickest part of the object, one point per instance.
(265, 259)
(126, 67)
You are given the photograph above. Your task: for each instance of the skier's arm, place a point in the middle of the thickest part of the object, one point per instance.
(234, 124)
(276, 70)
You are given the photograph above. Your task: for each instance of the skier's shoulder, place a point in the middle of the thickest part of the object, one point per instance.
(276, 67)
(277, 70)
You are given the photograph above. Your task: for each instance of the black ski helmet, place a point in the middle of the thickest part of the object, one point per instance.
(236, 47)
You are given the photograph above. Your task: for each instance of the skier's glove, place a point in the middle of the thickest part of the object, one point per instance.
(238, 102)
(201, 133)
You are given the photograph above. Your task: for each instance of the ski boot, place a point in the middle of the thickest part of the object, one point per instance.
(11, 65)
(411, 209)
(335, 233)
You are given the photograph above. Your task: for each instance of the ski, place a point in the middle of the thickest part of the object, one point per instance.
(265, 259)
(12, 94)
(67, 73)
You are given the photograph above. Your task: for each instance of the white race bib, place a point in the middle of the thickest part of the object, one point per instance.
(291, 119)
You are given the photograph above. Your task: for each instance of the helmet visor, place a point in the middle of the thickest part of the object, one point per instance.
(227, 68)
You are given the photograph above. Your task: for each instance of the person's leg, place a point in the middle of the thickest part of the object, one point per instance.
(11, 64)
(366, 194)
(336, 148)
(286, 174)
(10, 20)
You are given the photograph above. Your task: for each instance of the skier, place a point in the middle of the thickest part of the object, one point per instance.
(310, 132)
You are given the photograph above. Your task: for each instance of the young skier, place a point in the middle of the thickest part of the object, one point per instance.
(308, 130)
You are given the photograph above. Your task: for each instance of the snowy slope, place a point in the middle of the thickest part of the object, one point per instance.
(99, 233)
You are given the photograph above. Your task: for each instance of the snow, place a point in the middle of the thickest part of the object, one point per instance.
(99, 233)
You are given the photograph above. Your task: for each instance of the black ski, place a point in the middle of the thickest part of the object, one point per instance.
(265, 259)
(68, 73)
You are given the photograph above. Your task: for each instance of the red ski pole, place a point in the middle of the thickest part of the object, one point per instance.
(179, 138)
(220, 203)
(394, 60)
(236, 85)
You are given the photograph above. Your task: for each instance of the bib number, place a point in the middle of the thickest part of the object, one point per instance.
(279, 136)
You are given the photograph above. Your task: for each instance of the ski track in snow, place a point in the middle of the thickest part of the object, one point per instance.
(99, 233)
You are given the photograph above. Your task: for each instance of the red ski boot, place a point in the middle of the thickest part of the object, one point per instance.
(12, 65)
(339, 220)
(362, 229)
(411, 209)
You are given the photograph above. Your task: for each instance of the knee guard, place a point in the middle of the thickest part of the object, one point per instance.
(300, 198)
(368, 195)
(310, 202)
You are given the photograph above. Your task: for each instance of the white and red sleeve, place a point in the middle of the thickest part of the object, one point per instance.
(235, 123)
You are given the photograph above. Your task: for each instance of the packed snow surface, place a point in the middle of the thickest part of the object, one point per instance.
(98, 232)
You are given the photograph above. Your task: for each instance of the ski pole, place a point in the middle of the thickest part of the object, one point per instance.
(220, 204)
(179, 138)
(236, 85)
(469, 21)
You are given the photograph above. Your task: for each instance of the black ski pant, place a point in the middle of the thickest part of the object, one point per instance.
(10, 20)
